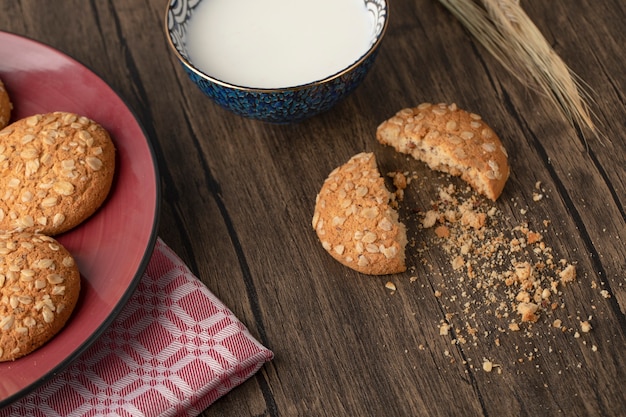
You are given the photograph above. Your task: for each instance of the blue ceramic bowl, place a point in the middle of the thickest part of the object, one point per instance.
(274, 105)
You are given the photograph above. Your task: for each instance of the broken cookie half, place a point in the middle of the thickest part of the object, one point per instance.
(451, 140)
(355, 222)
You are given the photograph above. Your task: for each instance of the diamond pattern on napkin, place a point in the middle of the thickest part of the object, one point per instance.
(173, 350)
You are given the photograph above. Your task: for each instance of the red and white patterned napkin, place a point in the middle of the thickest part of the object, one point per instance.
(173, 350)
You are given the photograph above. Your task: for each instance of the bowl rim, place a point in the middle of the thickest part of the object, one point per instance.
(371, 50)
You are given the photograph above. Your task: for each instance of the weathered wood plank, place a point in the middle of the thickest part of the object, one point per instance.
(238, 197)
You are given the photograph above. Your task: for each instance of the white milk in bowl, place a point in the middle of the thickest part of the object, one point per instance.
(277, 43)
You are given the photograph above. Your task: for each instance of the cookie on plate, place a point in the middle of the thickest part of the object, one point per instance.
(56, 169)
(451, 140)
(355, 222)
(39, 288)
(5, 106)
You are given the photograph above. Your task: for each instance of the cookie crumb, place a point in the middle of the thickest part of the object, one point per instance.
(488, 365)
(442, 231)
(430, 218)
(585, 327)
(568, 274)
(458, 263)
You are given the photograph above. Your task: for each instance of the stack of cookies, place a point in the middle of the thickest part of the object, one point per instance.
(56, 170)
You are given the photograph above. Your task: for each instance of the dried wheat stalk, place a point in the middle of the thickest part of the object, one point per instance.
(505, 30)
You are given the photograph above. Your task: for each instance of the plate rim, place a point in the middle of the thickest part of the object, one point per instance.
(145, 259)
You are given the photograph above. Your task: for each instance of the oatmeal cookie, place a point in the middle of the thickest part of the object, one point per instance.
(5, 106)
(451, 140)
(56, 169)
(355, 222)
(39, 288)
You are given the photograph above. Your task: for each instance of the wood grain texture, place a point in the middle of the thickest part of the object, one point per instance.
(238, 197)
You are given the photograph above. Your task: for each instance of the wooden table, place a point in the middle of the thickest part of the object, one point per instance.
(238, 197)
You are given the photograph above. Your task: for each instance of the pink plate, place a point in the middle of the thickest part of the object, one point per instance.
(112, 247)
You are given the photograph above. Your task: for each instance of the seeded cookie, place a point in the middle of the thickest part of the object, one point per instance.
(56, 169)
(354, 221)
(451, 140)
(5, 106)
(39, 288)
